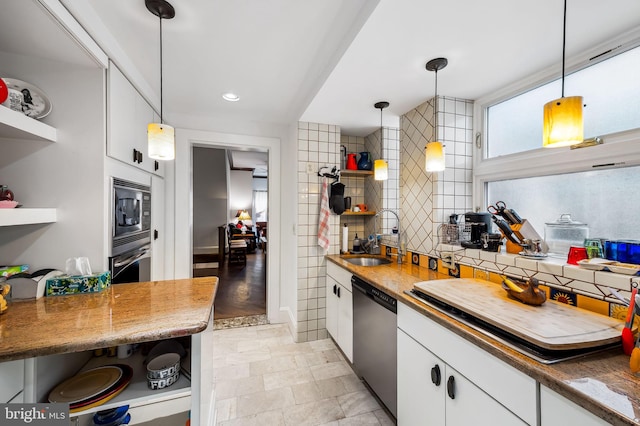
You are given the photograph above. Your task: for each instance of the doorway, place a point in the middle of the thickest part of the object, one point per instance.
(179, 216)
(230, 207)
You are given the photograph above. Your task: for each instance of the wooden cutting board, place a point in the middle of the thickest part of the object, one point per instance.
(552, 325)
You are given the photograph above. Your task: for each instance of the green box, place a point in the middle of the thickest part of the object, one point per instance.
(78, 284)
(7, 271)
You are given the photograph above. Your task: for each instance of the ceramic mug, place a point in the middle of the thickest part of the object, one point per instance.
(356, 209)
(362, 207)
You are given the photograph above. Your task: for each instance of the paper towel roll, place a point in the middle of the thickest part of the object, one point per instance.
(345, 239)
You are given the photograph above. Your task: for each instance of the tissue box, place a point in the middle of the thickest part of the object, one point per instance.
(77, 284)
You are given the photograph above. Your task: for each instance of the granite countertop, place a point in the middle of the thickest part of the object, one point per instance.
(121, 314)
(601, 383)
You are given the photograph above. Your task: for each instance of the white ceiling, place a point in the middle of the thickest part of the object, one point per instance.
(329, 61)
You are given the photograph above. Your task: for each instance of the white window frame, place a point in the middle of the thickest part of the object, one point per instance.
(620, 149)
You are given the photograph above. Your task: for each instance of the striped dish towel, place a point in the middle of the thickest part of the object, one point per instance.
(323, 223)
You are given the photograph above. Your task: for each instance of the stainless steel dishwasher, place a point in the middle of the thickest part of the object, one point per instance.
(374, 340)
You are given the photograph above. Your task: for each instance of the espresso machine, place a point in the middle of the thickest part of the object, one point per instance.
(475, 224)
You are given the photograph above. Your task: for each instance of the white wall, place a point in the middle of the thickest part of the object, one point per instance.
(240, 193)
(209, 197)
(67, 175)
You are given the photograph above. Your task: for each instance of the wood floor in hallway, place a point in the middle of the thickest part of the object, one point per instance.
(242, 289)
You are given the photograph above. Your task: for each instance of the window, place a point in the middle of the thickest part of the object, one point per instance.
(260, 206)
(611, 92)
(596, 185)
(603, 199)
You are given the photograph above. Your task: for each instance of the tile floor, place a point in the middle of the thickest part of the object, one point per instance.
(263, 378)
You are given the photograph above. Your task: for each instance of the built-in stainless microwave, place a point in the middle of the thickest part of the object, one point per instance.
(130, 215)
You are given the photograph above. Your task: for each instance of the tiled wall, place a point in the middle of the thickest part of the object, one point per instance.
(318, 145)
(384, 194)
(427, 199)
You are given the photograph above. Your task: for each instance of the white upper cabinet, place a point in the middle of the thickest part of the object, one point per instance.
(128, 116)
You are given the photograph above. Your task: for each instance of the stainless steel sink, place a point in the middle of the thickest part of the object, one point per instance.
(368, 261)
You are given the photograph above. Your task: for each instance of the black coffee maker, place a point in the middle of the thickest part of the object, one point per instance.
(475, 224)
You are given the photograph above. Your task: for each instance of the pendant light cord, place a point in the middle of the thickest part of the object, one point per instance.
(564, 38)
(435, 113)
(161, 119)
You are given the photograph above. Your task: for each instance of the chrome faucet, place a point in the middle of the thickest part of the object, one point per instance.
(400, 251)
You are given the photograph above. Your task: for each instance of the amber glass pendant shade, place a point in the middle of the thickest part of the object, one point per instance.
(434, 157)
(563, 124)
(380, 170)
(161, 143)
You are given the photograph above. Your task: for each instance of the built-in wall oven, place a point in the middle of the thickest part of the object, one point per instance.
(130, 259)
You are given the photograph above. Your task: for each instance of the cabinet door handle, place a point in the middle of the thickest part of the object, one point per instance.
(436, 377)
(156, 165)
(135, 155)
(338, 291)
(139, 156)
(451, 387)
(335, 290)
(155, 234)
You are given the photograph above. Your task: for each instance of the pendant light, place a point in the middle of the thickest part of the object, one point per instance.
(160, 136)
(434, 151)
(563, 124)
(380, 166)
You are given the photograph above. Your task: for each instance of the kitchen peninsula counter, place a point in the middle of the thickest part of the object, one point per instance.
(121, 314)
(600, 383)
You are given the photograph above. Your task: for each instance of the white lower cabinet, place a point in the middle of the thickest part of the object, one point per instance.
(445, 380)
(339, 308)
(12, 380)
(430, 392)
(558, 410)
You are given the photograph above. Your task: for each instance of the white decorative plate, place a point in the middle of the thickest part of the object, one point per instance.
(624, 268)
(595, 264)
(35, 103)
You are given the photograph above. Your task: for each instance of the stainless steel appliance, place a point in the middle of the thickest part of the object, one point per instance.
(131, 267)
(130, 259)
(130, 216)
(474, 225)
(374, 341)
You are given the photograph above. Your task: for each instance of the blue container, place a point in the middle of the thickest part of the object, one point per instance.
(622, 252)
(633, 252)
(611, 250)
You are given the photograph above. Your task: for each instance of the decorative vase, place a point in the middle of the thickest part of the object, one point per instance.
(364, 163)
(351, 162)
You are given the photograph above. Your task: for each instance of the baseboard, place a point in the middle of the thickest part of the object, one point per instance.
(286, 316)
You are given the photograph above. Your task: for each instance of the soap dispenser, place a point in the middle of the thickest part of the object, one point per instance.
(357, 246)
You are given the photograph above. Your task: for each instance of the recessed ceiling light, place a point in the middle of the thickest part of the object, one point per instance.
(231, 97)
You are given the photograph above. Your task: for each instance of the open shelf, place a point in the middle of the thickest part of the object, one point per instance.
(15, 125)
(176, 398)
(356, 173)
(369, 213)
(26, 216)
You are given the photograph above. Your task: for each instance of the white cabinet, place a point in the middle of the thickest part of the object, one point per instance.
(430, 392)
(339, 303)
(482, 386)
(12, 379)
(128, 117)
(158, 236)
(558, 410)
